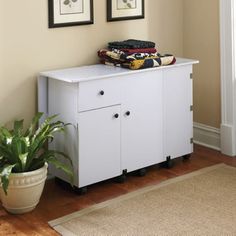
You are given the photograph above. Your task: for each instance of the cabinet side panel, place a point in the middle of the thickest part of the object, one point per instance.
(62, 100)
(178, 123)
(42, 88)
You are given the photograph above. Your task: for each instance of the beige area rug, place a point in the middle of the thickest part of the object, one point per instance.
(200, 203)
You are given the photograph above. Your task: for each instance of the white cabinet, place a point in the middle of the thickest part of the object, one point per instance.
(142, 121)
(98, 93)
(99, 145)
(121, 120)
(177, 115)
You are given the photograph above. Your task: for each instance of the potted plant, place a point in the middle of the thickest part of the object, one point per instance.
(24, 160)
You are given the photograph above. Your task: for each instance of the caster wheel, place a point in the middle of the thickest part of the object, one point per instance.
(81, 191)
(142, 172)
(169, 163)
(121, 179)
(186, 157)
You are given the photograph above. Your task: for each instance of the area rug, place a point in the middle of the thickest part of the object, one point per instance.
(200, 203)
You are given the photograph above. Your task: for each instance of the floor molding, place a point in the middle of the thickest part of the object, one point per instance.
(206, 136)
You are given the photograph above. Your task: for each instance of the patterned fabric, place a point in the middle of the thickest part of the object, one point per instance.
(109, 55)
(152, 62)
(120, 56)
(161, 60)
(134, 55)
(109, 63)
(131, 44)
(137, 56)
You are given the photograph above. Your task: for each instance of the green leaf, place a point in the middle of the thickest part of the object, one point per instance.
(4, 174)
(51, 156)
(6, 152)
(43, 134)
(18, 127)
(59, 165)
(4, 133)
(30, 131)
(23, 159)
(47, 155)
(19, 149)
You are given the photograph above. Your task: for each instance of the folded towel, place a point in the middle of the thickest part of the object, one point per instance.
(131, 44)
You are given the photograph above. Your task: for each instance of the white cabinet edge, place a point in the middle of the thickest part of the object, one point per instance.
(99, 71)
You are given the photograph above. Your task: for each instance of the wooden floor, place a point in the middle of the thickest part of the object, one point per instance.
(58, 201)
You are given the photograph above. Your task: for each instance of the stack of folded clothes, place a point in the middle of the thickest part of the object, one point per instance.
(134, 54)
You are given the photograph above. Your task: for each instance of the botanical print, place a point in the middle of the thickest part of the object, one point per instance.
(126, 4)
(71, 7)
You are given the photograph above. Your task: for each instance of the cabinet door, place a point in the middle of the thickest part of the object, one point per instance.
(142, 129)
(178, 126)
(99, 145)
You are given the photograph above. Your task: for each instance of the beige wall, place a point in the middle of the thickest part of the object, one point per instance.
(201, 41)
(27, 46)
(165, 23)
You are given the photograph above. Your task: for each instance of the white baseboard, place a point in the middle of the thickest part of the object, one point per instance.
(206, 136)
(227, 140)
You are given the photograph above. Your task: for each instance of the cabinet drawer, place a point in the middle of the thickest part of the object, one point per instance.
(98, 93)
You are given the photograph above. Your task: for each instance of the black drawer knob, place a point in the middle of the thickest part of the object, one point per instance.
(101, 92)
(127, 113)
(116, 115)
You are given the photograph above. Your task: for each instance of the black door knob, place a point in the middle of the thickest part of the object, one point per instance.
(127, 113)
(102, 92)
(116, 115)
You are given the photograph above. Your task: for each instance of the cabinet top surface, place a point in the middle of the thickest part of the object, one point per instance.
(99, 71)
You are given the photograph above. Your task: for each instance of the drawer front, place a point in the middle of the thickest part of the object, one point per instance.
(98, 93)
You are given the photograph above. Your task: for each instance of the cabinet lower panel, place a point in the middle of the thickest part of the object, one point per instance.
(142, 129)
(99, 145)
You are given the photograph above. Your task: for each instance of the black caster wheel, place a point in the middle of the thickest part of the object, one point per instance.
(81, 191)
(186, 157)
(120, 179)
(169, 163)
(142, 172)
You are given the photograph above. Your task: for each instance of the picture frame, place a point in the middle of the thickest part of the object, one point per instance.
(62, 13)
(118, 10)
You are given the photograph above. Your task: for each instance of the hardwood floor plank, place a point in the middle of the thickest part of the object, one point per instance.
(58, 200)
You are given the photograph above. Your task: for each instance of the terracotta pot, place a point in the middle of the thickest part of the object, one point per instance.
(24, 191)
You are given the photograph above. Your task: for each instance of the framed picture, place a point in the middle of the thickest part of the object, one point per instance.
(125, 10)
(70, 12)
